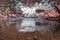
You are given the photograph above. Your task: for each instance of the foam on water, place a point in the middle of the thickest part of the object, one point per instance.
(29, 11)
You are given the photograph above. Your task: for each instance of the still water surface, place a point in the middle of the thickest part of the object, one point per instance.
(31, 24)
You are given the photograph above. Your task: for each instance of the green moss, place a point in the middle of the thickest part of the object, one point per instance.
(8, 1)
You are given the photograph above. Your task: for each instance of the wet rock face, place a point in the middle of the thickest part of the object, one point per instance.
(58, 1)
(28, 2)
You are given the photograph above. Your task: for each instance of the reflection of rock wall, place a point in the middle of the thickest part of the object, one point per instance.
(29, 25)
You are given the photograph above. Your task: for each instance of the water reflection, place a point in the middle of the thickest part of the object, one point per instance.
(32, 24)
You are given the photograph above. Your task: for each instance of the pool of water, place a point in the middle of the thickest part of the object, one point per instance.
(31, 24)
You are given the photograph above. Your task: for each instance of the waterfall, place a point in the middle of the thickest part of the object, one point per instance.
(28, 11)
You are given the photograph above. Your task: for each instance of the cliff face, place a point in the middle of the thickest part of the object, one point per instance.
(57, 1)
(10, 31)
(4, 3)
